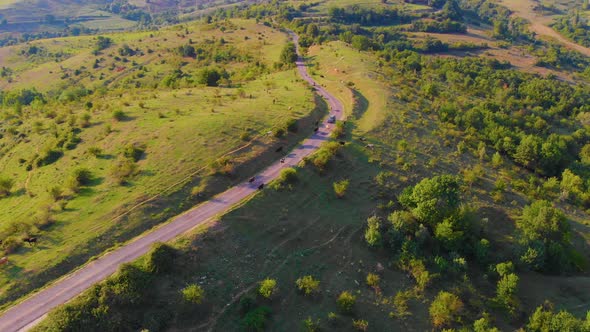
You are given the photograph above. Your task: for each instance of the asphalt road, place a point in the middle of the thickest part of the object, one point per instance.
(26, 314)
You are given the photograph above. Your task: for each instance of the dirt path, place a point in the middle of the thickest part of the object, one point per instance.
(539, 23)
(26, 314)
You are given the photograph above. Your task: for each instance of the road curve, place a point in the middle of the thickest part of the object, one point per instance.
(26, 314)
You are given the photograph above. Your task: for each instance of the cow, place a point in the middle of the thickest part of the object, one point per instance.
(316, 129)
(3, 260)
(252, 179)
(261, 186)
(279, 149)
(342, 142)
(282, 160)
(30, 240)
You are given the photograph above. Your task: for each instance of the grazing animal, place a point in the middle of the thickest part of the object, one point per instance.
(316, 129)
(3, 260)
(261, 186)
(342, 142)
(252, 179)
(282, 160)
(30, 240)
(279, 149)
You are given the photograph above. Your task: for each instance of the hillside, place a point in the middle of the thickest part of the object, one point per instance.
(454, 197)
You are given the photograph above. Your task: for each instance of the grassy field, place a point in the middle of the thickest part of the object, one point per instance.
(307, 230)
(182, 130)
(337, 66)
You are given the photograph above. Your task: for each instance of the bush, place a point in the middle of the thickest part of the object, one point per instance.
(445, 309)
(95, 151)
(193, 294)
(340, 188)
(49, 156)
(134, 151)
(279, 132)
(119, 115)
(372, 234)
(309, 325)
(267, 288)
(122, 170)
(506, 292)
(292, 126)
(160, 259)
(373, 280)
(288, 176)
(324, 154)
(338, 131)
(255, 320)
(6, 185)
(346, 302)
(308, 285)
(80, 177)
(360, 324)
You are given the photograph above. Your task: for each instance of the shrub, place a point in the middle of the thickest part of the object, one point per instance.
(49, 156)
(267, 288)
(80, 177)
(372, 234)
(122, 170)
(160, 259)
(445, 309)
(506, 292)
(222, 165)
(360, 324)
(373, 280)
(308, 285)
(193, 294)
(346, 302)
(6, 185)
(340, 188)
(119, 115)
(309, 325)
(255, 320)
(56, 193)
(292, 126)
(324, 154)
(245, 136)
(279, 132)
(95, 151)
(134, 151)
(338, 130)
(288, 176)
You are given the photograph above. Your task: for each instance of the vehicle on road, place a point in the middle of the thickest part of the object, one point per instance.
(332, 119)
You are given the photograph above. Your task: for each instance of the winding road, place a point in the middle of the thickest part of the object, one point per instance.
(29, 312)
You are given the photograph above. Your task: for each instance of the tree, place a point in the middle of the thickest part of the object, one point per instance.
(497, 160)
(80, 177)
(544, 319)
(119, 115)
(372, 234)
(267, 288)
(308, 285)
(360, 325)
(340, 188)
(432, 199)
(541, 221)
(193, 294)
(527, 152)
(571, 184)
(288, 55)
(373, 280)
(506, 292)
(209, 76)
(361, 43)
(452, 10)
(346, 301)
(102, 43)
(187, 51)
(445, 309)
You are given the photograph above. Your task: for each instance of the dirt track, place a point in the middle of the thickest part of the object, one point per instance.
(26, 314)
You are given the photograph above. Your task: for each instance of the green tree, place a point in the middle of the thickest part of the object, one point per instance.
(527, 152)
(506, 292)
(432, 199)
(541, 221)
(160, 259)
(497, 160)
(445, 309)
(288, 55)
(193, 294)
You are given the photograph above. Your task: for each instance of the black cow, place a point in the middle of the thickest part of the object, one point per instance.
(30, 240)
(316, 129)
(282, 160)
(342, 142)
(279, 149)
(261, 186)
(252, 179)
